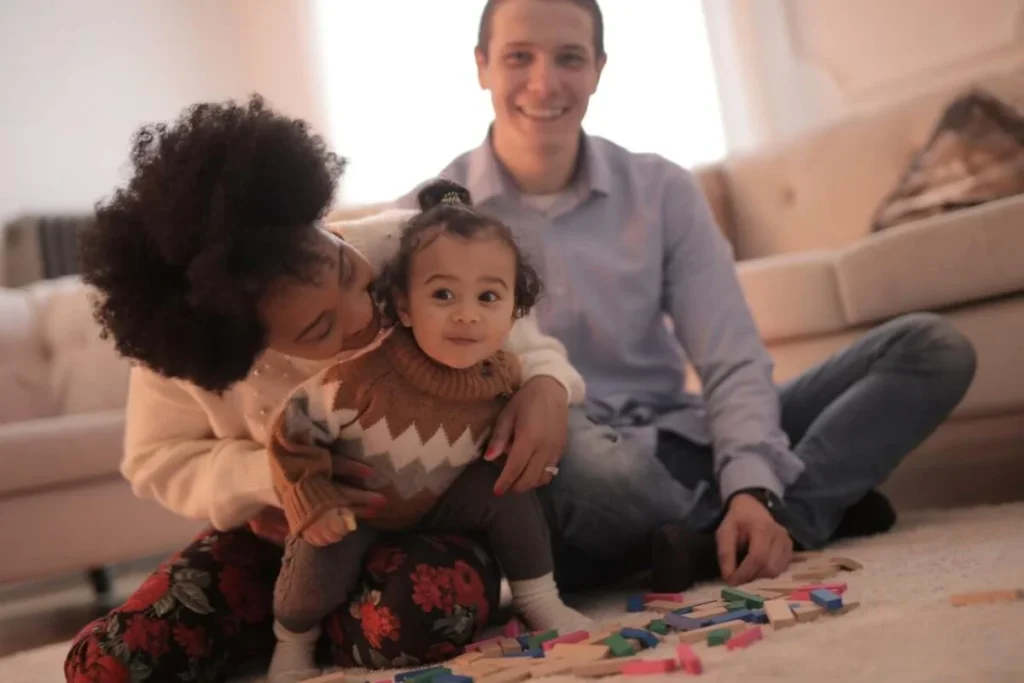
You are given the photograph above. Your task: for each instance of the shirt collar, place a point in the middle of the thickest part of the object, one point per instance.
(489, 179)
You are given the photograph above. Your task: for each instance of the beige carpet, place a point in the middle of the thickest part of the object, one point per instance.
(905, 630)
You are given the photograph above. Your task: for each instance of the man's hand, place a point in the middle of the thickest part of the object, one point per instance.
(749, 524)
(330, 527)
(532, 430)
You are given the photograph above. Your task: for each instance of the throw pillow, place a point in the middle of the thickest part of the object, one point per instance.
(974, 155)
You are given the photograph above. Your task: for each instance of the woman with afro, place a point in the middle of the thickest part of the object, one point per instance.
(217, 275)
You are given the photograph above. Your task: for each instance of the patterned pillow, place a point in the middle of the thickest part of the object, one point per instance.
(975, 155)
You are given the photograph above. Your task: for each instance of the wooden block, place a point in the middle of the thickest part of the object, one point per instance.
(608, 667)
(807, 611)
(804, 592)
(805, 555)
(579, 652)
(620, 647)
(664, 597)
(745, 639)
(574, 637)
(779, 613)
(710, 611)
(688, 659)
(511, 675)
(701, 634)
(847, 607)
(847, 563)
(781, 586)
(753, 601)
(510, 645)
(826, 598)
(681, 622)
(985, 597)
(816, 574)
(765, 593)
(553, 667)
(643, 667)
(468, 657)
(718, 637)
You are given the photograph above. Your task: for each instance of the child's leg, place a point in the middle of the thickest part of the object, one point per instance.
(519, 537)
(312, 583)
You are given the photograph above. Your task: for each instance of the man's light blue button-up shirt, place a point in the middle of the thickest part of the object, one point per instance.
(631, 242)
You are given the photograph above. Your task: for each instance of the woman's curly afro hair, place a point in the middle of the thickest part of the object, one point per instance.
(219, 207)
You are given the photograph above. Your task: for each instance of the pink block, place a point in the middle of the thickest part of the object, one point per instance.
(688, 659)
(567, 639)
(649, 666)
(667, 597)
(514, 629)
(803, 593)
(744, 638)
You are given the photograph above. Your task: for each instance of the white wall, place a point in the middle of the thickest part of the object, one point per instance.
(803, 63)
(77, 78)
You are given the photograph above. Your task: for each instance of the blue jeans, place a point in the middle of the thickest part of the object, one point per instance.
(852, 419)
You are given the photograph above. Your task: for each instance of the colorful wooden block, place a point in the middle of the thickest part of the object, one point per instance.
(636, 603)
(719, 637)
(479, 645)
(741, 614)
(643, 667)
(514, 675)
(619, 647)
(514, 629)
(779, 613)
(532, 653)
(688, 659)
(681, 623)
(510, 645)
(803, 594)
(758, 616)
(666, 597)
(646, 637)
(807, 611)
(701, 634)
(658, 626)
(816, 574)
(734, 594)
(826, 598)
(417, 673)
(608, 667)
(575, 637)
(539, 639)
(738, 604)
(985, 597)
(453, 678)
(579, 652)
(744, 639)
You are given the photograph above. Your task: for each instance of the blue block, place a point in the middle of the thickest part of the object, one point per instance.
(534, 653)
(741, 614)
(416, 672)
(635, 603)
(758, 616)
(452, 678)
(524, 642)
(681, 623)
(826, 599)
(645, 637)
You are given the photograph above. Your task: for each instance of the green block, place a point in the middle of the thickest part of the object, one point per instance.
(749, 599)
(658, 626)
(429, 675)
(719, 637)
(735, 605)
(619, 646)
(537, 640)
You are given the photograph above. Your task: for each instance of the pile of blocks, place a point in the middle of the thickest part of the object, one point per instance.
(737, 619)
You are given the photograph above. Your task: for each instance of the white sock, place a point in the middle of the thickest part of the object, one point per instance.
(294, 655)
(542, 608)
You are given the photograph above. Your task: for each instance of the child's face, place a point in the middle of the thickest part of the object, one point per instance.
(318, 320)
(461, 298)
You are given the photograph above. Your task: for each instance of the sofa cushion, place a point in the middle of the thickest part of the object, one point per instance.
(59, 451)
(23, 367)
(793, 295)
(935, 263)
(975, 155)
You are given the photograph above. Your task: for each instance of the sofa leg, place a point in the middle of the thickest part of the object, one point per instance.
(102, 581)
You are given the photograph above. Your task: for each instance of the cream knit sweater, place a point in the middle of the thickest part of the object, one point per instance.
(204, 456)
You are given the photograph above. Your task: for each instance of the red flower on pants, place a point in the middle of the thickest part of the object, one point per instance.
(378, 623)
(234, 550)
(151, 590)
(247, 599)
(87, 663)
(192, 640)
(431, 589)
(150, 636)
(468, 587)
(384, 560)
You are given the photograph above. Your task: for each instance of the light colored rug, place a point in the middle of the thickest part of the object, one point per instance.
(905, 630)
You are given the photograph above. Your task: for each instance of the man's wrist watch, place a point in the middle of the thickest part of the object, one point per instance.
(772, 502)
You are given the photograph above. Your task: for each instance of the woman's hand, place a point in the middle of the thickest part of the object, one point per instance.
(532, 430)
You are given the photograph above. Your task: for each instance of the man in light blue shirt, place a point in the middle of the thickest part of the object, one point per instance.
(624, 240)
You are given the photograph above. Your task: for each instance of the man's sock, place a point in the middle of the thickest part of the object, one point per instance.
(682, 557)
(540, 605)
(872, 514)
(294, 655)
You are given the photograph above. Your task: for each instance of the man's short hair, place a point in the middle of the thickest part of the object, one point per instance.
(486, 17)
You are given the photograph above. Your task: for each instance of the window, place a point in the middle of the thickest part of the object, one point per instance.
(402, 96)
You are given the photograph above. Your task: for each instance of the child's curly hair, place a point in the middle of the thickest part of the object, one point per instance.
(448, 206)
(216, 211)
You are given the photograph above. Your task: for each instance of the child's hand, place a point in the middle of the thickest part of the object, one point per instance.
(330, 527)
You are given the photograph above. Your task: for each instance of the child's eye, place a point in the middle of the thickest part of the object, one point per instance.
(489, 297)
(443, 295)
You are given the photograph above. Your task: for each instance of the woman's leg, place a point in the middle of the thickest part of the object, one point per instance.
(204, 612)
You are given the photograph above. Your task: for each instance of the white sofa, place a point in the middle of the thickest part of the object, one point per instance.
(64, 506)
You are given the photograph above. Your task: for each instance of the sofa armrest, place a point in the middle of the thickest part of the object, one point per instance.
(935, 263)
(56, 451)
(793, 295)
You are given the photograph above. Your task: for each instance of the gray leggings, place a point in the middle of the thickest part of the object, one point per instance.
(314, 581)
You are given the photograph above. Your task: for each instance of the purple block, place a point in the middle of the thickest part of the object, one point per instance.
(743, 614)
(681, 623)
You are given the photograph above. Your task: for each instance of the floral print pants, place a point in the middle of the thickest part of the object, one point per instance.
(205, 614)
